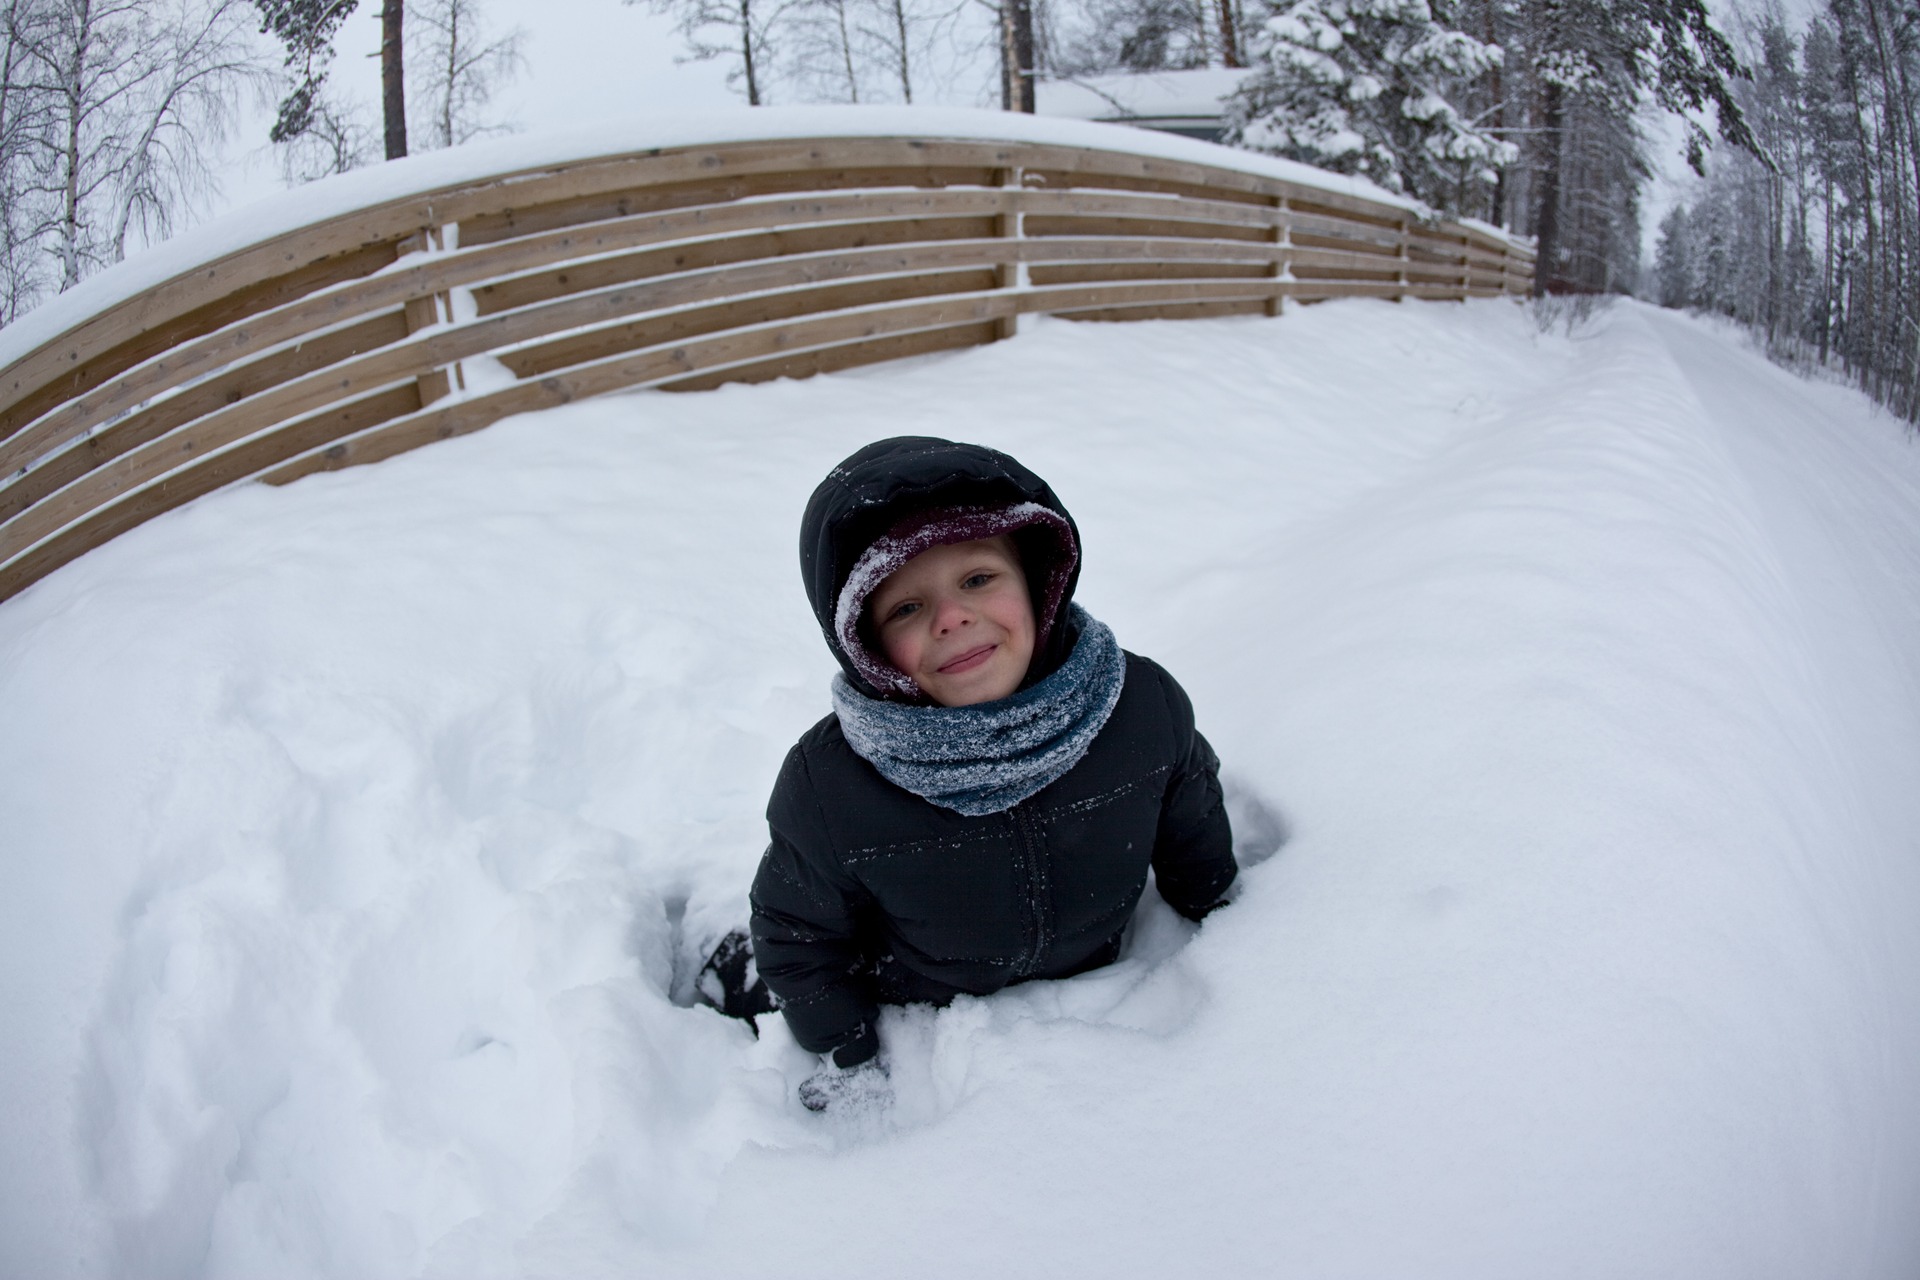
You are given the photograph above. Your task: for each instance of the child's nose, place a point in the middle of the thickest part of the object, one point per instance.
(951, 613)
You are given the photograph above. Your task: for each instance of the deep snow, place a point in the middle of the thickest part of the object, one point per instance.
(354, 829)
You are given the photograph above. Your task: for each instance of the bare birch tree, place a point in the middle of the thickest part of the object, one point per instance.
(458, 66)
(743, 32)
(896, 40)
(202, 57)
(25, 118)
(117, 104)
(339, 135)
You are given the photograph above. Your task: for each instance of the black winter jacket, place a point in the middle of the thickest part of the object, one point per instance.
(870, 895)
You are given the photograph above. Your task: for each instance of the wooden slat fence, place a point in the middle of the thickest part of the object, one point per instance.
(361, 337)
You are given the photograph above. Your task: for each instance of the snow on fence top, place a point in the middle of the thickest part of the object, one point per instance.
(381, 310)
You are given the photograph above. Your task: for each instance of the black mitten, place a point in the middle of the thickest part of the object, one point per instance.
(731, 983)
(846, 1090)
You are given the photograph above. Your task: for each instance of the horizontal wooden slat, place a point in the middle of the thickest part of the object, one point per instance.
(1340, 259)
(123, 469)
(438, 273)
(1335, 209)
(113, 465)
(1172, 311)
(515, 195)
(1042, 226)
(515, 223)
(679, 268)
(117, 470)
(601, 273)
(105, 524)
(807, 364)
(1161, 270)
(772, 287)
(203, 398)
(648, 367)
(659, 365)
(308, 248)
(656, 328)
(128, 335)
(1418, 253)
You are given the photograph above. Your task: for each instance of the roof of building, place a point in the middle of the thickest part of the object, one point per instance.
(1155, 99)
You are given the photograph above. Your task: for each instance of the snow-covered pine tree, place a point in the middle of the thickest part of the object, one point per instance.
(1106, 36)
(1673, 260)
(1592, 66)
(1367, 86)
(306, 28)
(1817, 247)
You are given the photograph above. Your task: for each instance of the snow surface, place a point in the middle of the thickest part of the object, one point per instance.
(359, 833)
(345, 193)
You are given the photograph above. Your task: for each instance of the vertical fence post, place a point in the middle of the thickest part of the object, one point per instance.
(1282, 268)
(423, 313)
(1011, 275)
(1401, 225)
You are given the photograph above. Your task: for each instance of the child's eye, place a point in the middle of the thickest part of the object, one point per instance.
(978, 580)
(905, 609)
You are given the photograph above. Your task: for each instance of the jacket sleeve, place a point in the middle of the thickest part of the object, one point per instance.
(1193, 851)
(806, 911)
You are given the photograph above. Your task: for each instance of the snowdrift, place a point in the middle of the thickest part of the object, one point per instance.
(359, 833)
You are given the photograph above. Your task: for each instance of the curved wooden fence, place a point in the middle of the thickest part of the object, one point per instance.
(363, 336)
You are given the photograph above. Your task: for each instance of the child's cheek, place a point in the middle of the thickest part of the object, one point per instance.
(900, 649)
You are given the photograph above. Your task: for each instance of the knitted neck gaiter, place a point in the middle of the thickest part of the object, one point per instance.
(990, 756)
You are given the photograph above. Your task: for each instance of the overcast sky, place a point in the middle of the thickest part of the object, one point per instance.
(594, 60)
(587, 60)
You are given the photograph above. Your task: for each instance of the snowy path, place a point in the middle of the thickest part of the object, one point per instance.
(355, 828)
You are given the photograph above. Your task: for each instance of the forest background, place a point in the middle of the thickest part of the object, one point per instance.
(1798, 215)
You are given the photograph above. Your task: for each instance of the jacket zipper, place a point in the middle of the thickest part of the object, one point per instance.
(1033, 864)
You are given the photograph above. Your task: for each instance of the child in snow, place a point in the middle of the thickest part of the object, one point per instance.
(998, 774)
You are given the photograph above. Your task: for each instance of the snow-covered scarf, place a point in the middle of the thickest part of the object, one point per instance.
(990, 756)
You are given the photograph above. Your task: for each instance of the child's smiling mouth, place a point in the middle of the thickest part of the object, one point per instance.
(968, 660)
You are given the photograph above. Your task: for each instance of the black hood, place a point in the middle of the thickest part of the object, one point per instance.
(891, 481)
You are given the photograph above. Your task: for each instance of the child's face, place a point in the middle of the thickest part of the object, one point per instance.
(958, 620)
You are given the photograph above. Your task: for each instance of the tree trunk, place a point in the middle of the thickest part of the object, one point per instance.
(1229, 37)
(455, 10)
(393, 80)
(900, 30)
(73, 90)
(1498, 214)
(1009, 59)
(1889, 347)
(846, 51)
(1826, 279)
(1902, 114)
(746, 52)
(1862, 330)
(1547, 220)
(1018, 54)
